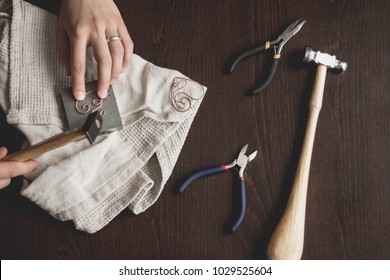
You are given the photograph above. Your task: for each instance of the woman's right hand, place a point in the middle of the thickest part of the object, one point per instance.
(10, 169)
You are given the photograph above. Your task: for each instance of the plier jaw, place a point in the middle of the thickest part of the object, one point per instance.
(287, 34)
(243, 160)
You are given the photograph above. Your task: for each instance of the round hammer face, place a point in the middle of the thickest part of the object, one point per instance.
(325, 59)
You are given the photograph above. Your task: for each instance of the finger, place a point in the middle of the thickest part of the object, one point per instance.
(128, 46)
(64, 48)
(117, 53)
(77, 68)
(3, 152)
(4, 183)
(10, 169)
(103, 58)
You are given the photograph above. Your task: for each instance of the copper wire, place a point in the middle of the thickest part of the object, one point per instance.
(182, 100)
(85, 108)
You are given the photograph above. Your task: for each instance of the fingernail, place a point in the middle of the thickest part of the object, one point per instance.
(3, 151)
(103, 94)
(79, 95)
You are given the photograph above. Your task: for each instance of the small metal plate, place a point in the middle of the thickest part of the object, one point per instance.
(77, 112)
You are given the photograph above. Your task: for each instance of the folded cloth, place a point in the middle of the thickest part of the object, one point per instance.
(87, 184)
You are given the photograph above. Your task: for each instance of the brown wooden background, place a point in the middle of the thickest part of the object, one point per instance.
(348, 202)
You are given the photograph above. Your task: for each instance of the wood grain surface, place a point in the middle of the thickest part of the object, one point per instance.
(348, 198)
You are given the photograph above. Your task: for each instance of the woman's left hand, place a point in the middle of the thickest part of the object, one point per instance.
(90, 23)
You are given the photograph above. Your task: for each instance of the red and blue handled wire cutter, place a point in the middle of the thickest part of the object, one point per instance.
(277, 44)
(241, 162)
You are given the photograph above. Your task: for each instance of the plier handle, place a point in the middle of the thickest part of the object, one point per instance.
(277, 45)
(241, 162)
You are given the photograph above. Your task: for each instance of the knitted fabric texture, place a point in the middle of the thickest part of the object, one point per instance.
(90, 185)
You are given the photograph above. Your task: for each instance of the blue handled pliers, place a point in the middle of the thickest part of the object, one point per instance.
(241, 162)
(277, 44)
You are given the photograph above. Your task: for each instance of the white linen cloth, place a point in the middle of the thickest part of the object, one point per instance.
(87, 184)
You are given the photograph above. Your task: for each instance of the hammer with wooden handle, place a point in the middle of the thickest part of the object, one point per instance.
(90, 130)
(288, 237)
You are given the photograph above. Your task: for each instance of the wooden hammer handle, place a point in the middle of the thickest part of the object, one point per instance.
(50, 144)
(288, 237)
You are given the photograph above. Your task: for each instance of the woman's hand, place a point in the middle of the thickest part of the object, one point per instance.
(89, 23)
(10, 169)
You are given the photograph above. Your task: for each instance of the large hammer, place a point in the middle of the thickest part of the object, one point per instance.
(288, 237)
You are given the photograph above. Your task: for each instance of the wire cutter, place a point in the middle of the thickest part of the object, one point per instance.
(277, 44)
(241, 162)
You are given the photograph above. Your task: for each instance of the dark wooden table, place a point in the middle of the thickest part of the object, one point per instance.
(348, 202)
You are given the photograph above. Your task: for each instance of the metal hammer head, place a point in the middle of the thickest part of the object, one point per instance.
(92, 126)
(325, 59)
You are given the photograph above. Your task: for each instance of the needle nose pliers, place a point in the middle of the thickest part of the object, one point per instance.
(241, 162)
(277, 44)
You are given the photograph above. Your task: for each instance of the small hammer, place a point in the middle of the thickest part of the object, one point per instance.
(90, 130)
(288, 237)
